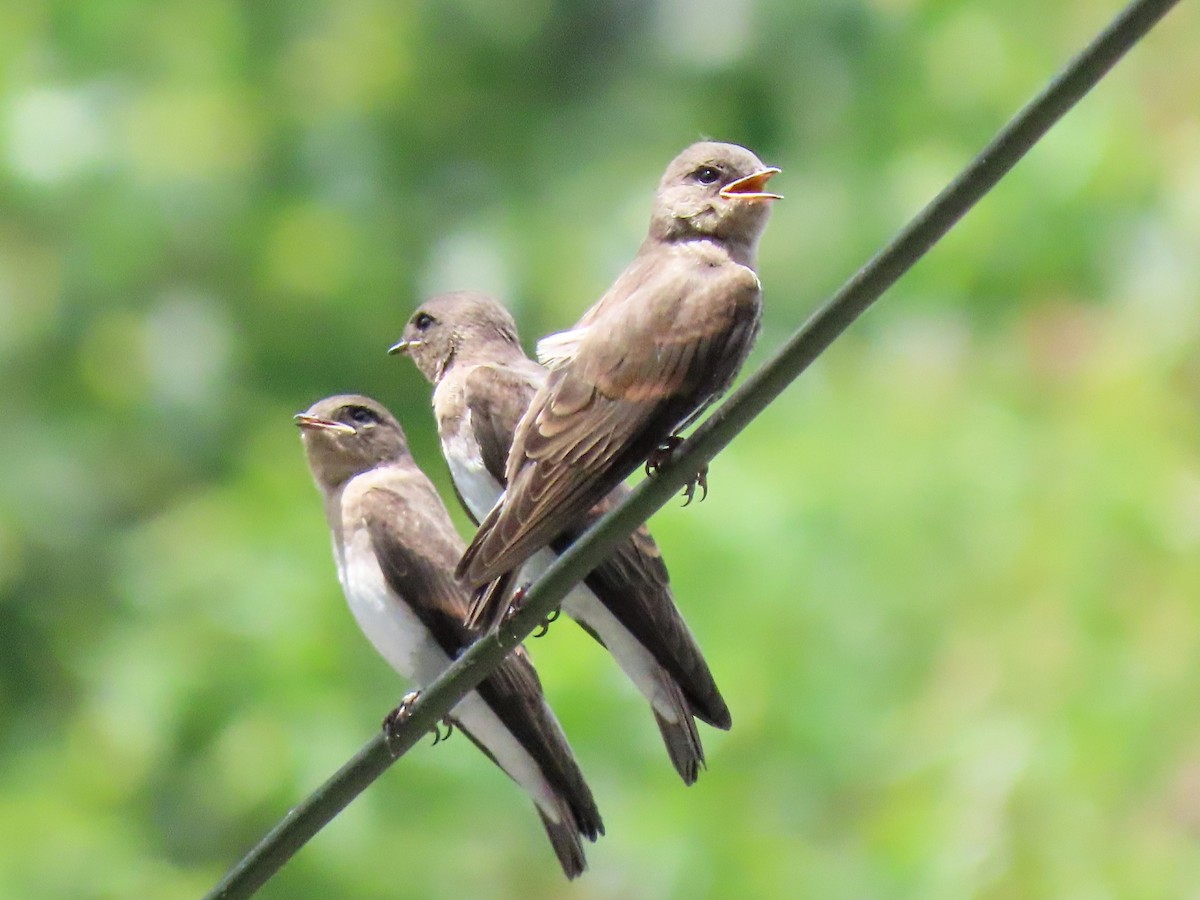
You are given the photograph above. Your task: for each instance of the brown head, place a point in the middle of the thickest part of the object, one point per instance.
(347, 435)
(713, 190)
(450, 327)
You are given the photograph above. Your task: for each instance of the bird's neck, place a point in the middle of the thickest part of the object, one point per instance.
(332, 495)
(708, 246)
(500, 353)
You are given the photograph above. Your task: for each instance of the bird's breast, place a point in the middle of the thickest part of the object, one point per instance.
(477, 486)
(391, 626)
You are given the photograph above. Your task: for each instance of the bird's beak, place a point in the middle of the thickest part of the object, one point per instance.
(751, 187)
(403, 347)
(315, 423)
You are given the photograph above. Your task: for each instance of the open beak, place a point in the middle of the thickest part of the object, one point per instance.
(751, 187)
(403, 347)
(315, 423)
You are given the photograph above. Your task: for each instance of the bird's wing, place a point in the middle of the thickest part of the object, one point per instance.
(417, 553)
(416, 549)
(497, 396)
(638, 372)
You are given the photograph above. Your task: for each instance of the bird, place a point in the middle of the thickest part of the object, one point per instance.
(395, 548)
(642, 364)
(466, 344)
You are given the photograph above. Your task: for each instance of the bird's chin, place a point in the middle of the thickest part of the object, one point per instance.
(708, 220)
(741, 217)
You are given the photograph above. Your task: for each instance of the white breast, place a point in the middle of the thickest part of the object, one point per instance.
(400, 637)
(393, 629)
(389, 624)
(474, 482)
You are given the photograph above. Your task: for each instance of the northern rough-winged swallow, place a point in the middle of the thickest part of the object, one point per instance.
(395, 549)
(662, 343)
(466, 344)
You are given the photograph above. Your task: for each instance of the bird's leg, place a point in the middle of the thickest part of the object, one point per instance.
(398, 716)
(661, 456)
(516, 601)
(393, 720)
(514, 607)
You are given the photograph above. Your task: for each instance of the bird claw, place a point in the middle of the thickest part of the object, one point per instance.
(689, 489)
(662, 455)
(545, 626)
(398, 716)
(438, 737)
(514, 607)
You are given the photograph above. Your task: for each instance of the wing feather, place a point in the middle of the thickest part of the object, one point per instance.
(497, 396)
(417, 549)
(638, 373)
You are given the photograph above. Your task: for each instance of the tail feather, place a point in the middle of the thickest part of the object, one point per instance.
(683, 746)
(656, 683)
(706, 703)
(564, 838)
(578, 816)
(489, 604)
(513, 695)
(681, 737)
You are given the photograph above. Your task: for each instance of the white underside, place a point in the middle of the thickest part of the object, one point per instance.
(475, 484)
(481, 491)
(402, 639)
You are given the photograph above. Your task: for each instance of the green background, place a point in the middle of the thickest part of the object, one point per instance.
(949, 583)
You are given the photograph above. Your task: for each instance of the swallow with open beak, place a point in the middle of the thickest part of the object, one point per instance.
(659, 346)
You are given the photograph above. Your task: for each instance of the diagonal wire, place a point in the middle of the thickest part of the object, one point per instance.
(1024, 130)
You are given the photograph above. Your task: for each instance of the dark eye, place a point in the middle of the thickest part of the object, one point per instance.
(422, 320)
(706, 175)
(363, 416)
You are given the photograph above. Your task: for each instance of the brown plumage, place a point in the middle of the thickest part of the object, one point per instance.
(466, 344)
(667, 338)
(395, 548)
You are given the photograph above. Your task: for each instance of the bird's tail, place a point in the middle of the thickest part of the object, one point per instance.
(683, 744)
(489, 604)
(565, 839)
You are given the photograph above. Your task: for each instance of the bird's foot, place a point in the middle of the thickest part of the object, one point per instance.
(518, 601)
(545, 626)
(438, 737)
(662, 455)
(398, 716)
(515, 602)
(700, 481)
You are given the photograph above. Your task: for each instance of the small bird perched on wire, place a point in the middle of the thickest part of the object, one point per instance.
(466, 344)
(395, 549)
(661, 344)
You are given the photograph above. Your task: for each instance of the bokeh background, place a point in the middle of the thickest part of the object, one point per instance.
(949, 583)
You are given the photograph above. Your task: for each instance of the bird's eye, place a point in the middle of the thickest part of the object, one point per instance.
(706, 175)
(422, 320)
(363, 416)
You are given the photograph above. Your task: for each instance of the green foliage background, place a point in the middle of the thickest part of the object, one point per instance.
(948, 583)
